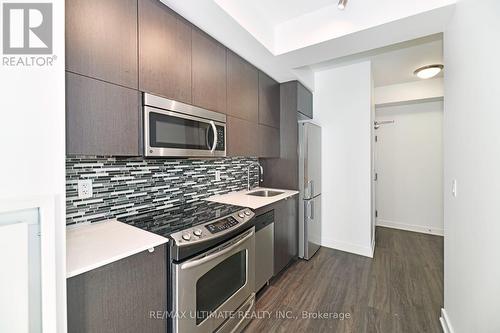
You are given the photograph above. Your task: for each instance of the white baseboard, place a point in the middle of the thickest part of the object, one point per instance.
(409, 227)
(366, 251)
(445, 322)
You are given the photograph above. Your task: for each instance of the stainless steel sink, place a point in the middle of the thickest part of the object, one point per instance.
(265, 193)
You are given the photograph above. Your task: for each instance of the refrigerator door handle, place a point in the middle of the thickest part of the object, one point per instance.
(310, 188)
(309, 210)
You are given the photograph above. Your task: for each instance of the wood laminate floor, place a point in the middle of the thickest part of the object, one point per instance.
(399, 290)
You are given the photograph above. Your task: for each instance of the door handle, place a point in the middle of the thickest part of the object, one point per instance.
(309, 210)
(310, 188)
(214, 128)
(198, 262)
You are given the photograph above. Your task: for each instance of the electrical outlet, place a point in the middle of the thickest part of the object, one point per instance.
(217, 175)
(85, 189)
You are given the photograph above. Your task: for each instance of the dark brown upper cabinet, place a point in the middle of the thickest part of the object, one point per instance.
(164, 52)
(242, 89)
(101, 40)
(269, 141)
(101, 118)
(242, 137)
(304, 100)
(269, 101)
(209, 72)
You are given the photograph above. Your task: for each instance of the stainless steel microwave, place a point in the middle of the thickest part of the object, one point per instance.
(175, 129)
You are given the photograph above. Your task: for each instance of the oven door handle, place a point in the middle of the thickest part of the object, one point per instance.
(214, 128)
(201, 261)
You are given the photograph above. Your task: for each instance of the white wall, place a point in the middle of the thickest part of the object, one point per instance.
(409, 163)
(342, 106)
(472, 157)
(410, 91)
(32, 140)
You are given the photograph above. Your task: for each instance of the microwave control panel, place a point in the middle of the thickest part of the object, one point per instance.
(220, 138)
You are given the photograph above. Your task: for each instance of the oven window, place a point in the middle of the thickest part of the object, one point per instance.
(175, 132)
(219, 284)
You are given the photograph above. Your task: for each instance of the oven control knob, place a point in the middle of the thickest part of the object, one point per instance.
(186, 237)
(248, 212)
(197, 232)
(241, 214)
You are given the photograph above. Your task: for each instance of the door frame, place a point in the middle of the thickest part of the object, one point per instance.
(46, 206)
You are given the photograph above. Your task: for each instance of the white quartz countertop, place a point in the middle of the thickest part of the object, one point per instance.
(241, 198)
(93, 245)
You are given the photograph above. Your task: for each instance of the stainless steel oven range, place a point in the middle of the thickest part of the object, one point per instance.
(212, 272)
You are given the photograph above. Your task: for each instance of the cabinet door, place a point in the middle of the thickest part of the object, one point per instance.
(269, 141)
(164, 52)
(101, 40)
(120, 296)
(304, 100)
(242, 88)
(280, 240)
(242, 137)
(209, 72)
(291, 207)
(269, 101)
(285, 233)
(101, 118)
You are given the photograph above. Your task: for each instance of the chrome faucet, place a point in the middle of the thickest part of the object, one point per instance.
(261, 174)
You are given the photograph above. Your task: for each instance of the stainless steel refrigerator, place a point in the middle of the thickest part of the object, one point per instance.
(310, 189)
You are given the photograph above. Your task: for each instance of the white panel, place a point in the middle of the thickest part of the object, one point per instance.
(342, 107)
(36, 100)
(14, 302)
(472, 157)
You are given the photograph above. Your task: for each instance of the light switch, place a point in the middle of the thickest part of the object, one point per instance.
(454, 187)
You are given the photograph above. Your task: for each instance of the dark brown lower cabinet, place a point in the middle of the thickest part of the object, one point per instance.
(101, 118)
(285, 233)
(124, 296)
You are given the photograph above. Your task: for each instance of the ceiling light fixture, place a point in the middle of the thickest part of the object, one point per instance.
(342, 4)
(427, 72)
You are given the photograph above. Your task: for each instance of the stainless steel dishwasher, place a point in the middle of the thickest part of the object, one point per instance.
(264, 248)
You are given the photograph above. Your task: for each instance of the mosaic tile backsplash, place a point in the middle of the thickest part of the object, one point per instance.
(129, 186)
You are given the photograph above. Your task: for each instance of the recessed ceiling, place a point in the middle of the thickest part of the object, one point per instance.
(286, 25)
(396, 63)
(258, 30)
(398, 66)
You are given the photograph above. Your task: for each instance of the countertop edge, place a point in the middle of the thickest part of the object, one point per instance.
(99, 244)
(236, 198)
(110, 260)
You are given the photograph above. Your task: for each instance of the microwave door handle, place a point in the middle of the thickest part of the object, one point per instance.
(214, 128)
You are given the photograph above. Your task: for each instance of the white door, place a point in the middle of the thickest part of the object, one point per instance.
(409, 159)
